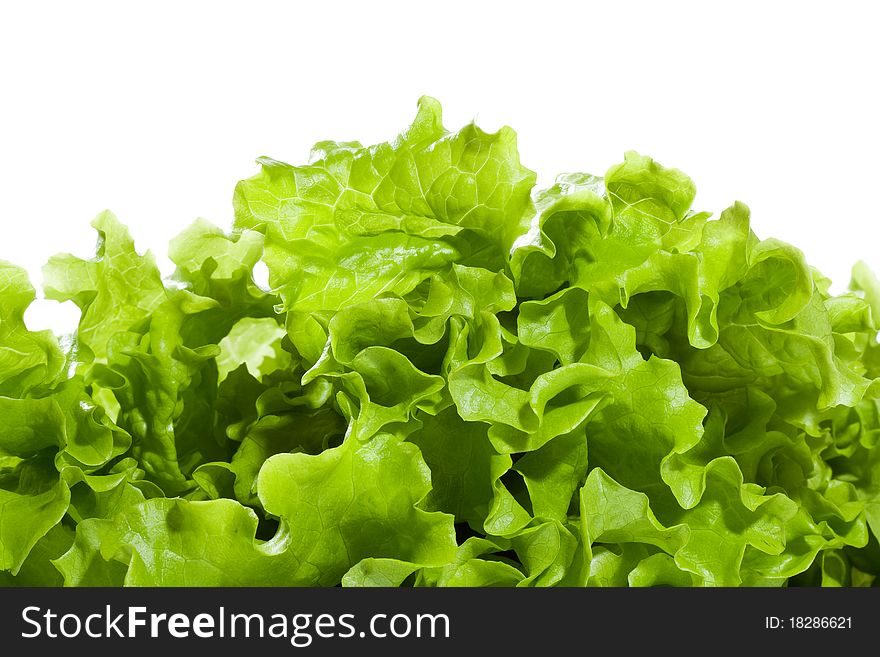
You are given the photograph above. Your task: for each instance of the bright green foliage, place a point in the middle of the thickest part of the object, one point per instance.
(454, 380)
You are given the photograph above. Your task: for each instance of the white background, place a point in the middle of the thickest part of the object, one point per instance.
(155, 110)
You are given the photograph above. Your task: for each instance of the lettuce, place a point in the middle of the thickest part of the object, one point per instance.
(453, 379)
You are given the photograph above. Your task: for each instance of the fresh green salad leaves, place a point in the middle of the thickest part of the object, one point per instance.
(454, 379)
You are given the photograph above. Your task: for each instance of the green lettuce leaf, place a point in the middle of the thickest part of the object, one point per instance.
(453, 378)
